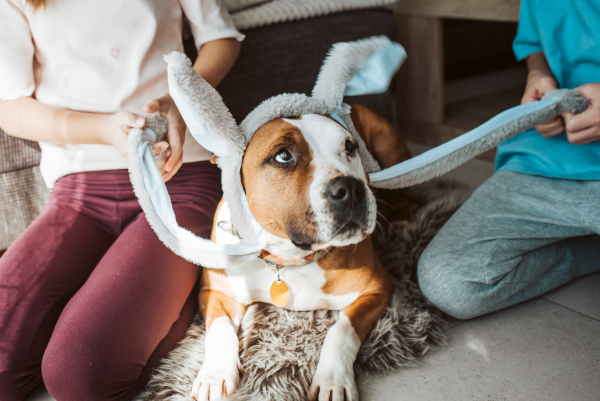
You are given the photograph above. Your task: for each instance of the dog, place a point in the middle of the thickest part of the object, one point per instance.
(293, 228)
(307, 187)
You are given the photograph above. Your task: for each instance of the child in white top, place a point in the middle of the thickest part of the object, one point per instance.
(101, 57)
(91, 299)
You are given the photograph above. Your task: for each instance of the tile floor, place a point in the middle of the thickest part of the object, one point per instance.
(544, 349)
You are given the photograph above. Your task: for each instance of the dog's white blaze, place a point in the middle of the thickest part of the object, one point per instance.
(221, 361)
(327, 140)
(251, 281)
(335, 371)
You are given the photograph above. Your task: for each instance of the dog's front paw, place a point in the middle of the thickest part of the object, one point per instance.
(335, 383)
(216, 381)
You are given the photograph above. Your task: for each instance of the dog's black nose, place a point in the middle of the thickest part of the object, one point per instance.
(346, 191)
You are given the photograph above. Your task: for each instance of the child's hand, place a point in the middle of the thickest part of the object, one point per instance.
(585, 127)
(116, 128)
(538, 84)
(175, 132)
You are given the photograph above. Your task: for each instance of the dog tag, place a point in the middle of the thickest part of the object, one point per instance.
(279, 293)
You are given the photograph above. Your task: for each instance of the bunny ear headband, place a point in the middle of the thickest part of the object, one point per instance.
(351, 68)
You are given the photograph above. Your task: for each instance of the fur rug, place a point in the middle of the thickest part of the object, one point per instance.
(280, 349)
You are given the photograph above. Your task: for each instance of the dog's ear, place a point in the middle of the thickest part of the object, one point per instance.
(202, 108)
(363, 67)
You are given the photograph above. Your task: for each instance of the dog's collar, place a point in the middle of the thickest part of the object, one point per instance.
(272, 261)
(276, 262)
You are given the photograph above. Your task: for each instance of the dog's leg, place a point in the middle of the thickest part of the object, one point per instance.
(219, 376)
(334, 377)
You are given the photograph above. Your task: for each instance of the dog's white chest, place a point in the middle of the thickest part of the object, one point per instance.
(251, 281)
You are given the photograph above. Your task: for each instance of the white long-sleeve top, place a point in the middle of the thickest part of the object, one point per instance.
(98, 56)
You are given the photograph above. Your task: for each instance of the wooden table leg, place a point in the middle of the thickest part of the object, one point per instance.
(420, 83)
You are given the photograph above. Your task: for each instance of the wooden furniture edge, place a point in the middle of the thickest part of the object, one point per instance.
(491, 10)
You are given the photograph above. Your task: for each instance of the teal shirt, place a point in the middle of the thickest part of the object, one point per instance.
(568, 32)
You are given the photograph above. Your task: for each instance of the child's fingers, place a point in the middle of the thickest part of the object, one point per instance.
(176, 142)
(585, 136)
(160, 163)
(547, 85)
(158, 104)
(551, 128)
(585, 120)
(132, 120)
(583, 128)
(529, 97)
(159, 148)
(590, 118)
(167, 175)
(173, 158)
(161, 154)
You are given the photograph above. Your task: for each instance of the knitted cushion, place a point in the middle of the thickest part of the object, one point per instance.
(286, 58)
(22, 191)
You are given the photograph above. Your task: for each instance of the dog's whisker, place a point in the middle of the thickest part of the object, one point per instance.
(388, 222)
(383, 217)
(380, 226)
(385, 203)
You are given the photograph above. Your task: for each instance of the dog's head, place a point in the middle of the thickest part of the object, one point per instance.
(295, 167)
(304, 180)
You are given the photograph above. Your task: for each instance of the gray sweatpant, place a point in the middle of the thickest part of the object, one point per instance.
(517, 237)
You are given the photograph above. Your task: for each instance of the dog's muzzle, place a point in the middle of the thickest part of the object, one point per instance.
(345, 194)
(347, 201)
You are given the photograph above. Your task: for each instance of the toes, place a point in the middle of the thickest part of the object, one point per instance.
(203, 393)
(313, 393)
(229, 387)
(212, 389)
(332, 392)
(337, 394)
(216, 390)
(196, 388)
(351, 394)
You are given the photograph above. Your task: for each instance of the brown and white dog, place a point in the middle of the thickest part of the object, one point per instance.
(307, 187)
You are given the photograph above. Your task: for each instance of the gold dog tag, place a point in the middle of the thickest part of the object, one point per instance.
(279, 293)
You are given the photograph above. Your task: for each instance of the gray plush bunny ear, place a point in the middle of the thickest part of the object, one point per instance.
(202, 108)
(458, 151)
(363, 67)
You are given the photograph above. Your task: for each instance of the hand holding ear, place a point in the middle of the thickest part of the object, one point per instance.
(538, 84)
(166, 107)
(585, 127)
(116, 127)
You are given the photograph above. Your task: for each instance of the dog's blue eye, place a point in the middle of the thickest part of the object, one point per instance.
(350, 147)
(284, 157)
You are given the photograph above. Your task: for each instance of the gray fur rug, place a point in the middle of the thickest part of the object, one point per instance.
(280, 349)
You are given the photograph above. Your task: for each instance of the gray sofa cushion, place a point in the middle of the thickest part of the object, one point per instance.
(16, 153)
(23, 193)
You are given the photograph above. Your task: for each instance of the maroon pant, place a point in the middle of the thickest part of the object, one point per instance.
(90, 299)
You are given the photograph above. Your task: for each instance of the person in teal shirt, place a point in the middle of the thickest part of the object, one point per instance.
(561, 43)
(535, 224)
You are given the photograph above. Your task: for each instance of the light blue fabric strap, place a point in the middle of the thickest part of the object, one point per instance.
(376, 75)
(338, 119)
(451, 146)
(161, 202)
